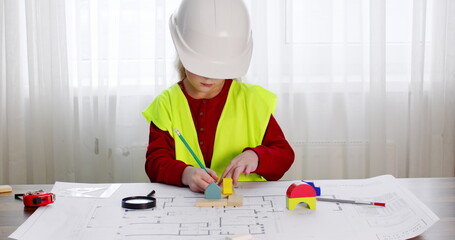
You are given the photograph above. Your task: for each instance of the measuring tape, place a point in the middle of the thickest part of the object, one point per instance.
(36, 198)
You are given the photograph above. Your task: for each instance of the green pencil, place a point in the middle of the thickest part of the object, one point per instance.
(191, 150)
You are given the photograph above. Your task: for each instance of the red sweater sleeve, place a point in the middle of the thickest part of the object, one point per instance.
(161, 165)
(275, 154)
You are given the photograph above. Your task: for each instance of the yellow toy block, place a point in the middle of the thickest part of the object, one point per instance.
(292, 202)
(227, 186)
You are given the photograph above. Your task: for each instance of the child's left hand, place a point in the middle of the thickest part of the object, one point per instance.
(246, 162)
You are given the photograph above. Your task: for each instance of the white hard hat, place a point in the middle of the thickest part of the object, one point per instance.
(213, 37)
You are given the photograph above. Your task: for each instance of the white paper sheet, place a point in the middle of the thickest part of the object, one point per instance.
(264, 214)
(64, 189)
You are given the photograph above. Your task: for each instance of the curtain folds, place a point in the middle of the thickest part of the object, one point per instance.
(364, 87)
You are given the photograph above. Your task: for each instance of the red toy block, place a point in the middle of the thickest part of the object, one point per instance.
(299, 190)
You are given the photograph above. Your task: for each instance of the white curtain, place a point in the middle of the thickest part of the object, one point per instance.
(364, 87)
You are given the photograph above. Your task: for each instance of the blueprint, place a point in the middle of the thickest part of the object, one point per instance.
(263, 215)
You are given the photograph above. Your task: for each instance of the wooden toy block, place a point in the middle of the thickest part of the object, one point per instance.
(213, 191)
(317, 189)
(240, 237)
(298, 190)
(227, 186)
(235, 200)
(211, 202)
(292, 202)
(5, 188)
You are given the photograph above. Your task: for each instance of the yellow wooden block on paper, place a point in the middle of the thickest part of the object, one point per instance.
(227, 186)
(292, 202)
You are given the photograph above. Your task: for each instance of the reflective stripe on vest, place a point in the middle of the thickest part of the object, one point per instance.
(242, 123)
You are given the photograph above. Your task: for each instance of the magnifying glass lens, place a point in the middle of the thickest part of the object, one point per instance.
(138, 201)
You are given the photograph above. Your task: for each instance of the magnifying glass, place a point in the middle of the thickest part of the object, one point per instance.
(139, 202)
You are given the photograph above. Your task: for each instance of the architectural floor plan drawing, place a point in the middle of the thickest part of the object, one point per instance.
(177, 217)
(264, 214)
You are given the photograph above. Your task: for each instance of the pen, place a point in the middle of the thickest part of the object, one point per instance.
(191, 150)
(350, 201)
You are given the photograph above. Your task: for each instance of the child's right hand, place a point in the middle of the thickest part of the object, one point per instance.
(197, 179)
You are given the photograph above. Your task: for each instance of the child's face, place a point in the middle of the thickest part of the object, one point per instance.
(201, 87)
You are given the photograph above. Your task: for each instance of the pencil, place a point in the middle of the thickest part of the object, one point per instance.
(350, 201)
(191, 150)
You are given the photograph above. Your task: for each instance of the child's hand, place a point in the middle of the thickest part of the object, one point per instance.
(246, 162)
(197, 179)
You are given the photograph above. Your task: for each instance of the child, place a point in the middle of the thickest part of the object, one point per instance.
(228, 124)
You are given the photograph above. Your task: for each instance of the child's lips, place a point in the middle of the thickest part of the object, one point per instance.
(207, 84)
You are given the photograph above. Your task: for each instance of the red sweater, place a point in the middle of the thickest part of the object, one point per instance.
(275, 154)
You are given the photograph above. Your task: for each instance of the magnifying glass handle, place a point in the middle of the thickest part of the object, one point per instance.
(151, 194)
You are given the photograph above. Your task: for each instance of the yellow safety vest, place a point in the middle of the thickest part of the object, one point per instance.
(242, 123)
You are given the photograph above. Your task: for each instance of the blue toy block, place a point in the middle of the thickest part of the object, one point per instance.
(317, 189)
(213, 191)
